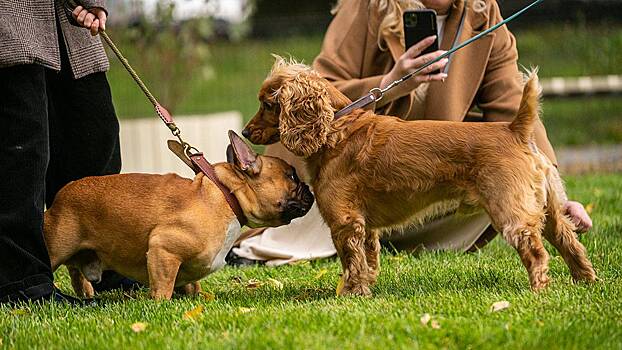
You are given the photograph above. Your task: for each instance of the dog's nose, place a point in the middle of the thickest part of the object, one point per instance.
(246, 133)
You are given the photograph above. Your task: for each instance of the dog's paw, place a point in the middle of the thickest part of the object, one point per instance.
(355, 290)
(540, 284)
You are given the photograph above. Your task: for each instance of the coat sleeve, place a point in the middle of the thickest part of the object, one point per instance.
(345, 47)
(89, 4)
(500, 93)
(93, 3)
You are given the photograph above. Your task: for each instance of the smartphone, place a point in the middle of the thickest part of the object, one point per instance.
(418, 25)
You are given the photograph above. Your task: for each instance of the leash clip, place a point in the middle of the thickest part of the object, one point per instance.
(377, 94)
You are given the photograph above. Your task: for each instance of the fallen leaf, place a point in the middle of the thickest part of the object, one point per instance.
(194, 313)
(435, 324)
(589, 208)
(275, 283)
(499, 305)
(339, 286)
(244, 310)
(207, 296)
(236, 279)
(253, 283)
(20, 312)
(138, 327)
(425, 319)
(320, 273)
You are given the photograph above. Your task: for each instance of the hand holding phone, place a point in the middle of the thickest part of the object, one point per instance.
(421, 42)
(419, 25)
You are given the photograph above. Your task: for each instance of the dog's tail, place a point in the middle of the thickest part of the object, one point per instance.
(529, 110)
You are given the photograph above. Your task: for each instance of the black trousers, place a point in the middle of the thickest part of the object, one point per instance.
(53, 130)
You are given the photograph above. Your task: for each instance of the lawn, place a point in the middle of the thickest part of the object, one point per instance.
(239, 68)
(296, 307)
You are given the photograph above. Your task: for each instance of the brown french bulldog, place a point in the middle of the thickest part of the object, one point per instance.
(164, 230)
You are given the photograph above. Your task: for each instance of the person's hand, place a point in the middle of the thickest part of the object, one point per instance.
(93, 19)
(409, 62)
(578, 215)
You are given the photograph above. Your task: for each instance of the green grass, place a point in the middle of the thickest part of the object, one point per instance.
(456, 289)
(239, 69)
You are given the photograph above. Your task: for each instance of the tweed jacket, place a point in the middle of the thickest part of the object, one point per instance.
(28, 35)
(484, 74)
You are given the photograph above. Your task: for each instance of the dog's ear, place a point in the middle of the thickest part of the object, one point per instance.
(242, 155)
(306, 113)
(337, 99)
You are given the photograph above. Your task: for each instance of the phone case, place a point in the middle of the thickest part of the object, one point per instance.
(418, 25)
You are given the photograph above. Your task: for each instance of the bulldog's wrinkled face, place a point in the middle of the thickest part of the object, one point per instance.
(273, 194)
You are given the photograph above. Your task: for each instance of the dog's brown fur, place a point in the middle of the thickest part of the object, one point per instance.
(372, 172)
(165, 230)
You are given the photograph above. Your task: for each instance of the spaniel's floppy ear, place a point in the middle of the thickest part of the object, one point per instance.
(306, 113)
(337, 99)
(241, 154)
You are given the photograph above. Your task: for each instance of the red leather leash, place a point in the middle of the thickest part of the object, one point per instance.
(196, 157)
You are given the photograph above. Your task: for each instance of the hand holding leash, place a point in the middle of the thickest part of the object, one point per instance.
(410, 61)
(93, 19)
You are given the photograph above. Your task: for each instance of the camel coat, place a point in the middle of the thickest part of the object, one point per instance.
(483, 74)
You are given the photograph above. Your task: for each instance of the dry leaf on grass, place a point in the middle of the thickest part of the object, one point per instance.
(425, 319)
(193, 314)
(435, 324)
(253, 283)
(20, 312)
(138, 327)
(320, 273)
(207, 296)
(244, 310)
(339, 286)
(236, 279)
(499, 305)
(275, 283)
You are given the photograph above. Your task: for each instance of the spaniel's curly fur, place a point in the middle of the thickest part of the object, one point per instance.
(374, 172)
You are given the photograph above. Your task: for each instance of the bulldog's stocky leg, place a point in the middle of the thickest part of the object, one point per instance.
(81, 286)
(162, 267)
(192, 288)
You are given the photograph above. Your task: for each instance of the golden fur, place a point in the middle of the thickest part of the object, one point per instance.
(372, 172)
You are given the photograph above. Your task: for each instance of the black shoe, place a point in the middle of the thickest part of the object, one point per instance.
(55, 296)
(233, 259)
(112, 280)
(59, 297)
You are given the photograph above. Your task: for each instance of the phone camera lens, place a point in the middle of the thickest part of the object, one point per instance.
(410, 20)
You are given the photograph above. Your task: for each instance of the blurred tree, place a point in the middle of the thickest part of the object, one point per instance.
(167, 53)
(273, 18)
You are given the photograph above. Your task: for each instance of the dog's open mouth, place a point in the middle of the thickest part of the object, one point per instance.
(299, 205)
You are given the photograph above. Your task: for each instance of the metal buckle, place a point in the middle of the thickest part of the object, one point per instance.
(377, 94)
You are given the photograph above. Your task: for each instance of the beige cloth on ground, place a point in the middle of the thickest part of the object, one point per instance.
(305, 238)
(308, 238)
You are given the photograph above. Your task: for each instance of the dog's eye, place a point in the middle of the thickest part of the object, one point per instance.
(267, 106)
(292, 175)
